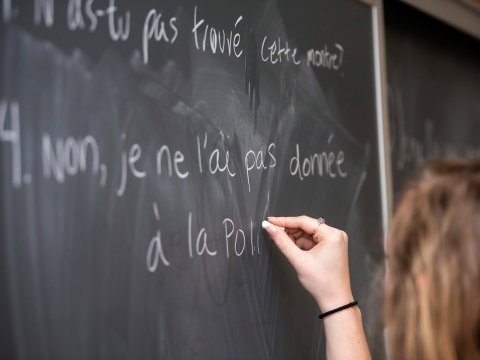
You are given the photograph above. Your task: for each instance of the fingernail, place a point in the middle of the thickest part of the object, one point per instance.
(271, 217)
(271, 230)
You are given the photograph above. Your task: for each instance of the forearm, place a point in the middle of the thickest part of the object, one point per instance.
(345, 335)
(323, 272)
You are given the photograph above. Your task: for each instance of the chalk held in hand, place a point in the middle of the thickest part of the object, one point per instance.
(266, 224)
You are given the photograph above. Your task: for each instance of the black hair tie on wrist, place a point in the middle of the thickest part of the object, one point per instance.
(321, 316)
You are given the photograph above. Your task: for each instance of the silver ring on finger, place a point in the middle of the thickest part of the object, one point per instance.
(320, 221)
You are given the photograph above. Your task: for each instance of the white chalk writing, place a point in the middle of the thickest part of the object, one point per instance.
(323, 58)
(213, 39)
(324, 162)
(12, 136)
(276, 52)
(43, 9)
(259, 161)
(154, 26)
(69, 156)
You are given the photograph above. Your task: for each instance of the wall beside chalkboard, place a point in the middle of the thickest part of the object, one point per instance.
(141, 145)
(434, 91)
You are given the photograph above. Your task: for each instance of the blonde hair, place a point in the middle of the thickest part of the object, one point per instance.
(432, 290)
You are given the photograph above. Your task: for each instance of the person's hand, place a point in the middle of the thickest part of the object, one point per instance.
(323, 267)
(321, 262)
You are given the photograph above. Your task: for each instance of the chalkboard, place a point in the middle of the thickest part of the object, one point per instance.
(434, 87)
(142, 144)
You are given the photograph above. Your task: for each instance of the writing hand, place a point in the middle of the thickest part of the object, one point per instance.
(323, 267)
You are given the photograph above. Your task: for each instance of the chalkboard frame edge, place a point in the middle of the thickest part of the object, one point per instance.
(383, 131)
(383, 122)
(455, 13)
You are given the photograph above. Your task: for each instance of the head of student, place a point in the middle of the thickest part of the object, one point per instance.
(432, 290)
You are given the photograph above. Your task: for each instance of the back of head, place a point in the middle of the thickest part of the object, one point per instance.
(432, 291)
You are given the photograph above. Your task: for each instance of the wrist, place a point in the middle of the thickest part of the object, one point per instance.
(334, 302)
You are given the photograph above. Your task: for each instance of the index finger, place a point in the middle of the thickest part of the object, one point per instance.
(305, 223)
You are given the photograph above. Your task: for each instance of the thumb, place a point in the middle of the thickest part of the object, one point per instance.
(284, 244)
